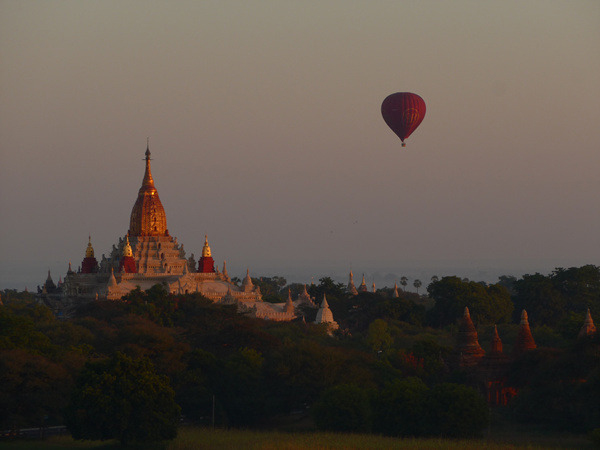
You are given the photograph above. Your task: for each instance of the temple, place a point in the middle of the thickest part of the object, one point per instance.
(147, 255)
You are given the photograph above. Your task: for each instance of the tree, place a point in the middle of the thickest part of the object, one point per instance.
(538, 295)
(456, 411)
(551, 299)
(378, 336)
(487, 304)
(400, 408)
(345, 407)
(122, 398)
(404, 283)
(329, 288)
(271, 288)
(417, 284)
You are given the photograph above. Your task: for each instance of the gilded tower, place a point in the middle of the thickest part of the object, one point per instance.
(148, 216)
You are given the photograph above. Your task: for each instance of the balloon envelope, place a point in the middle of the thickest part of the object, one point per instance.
(403, 112)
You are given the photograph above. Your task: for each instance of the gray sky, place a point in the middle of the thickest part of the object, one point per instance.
(266, 133)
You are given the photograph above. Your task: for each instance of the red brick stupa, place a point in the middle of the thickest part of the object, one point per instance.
(524, 341)
(467, 343)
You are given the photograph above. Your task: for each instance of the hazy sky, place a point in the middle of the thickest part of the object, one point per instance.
(266, 133)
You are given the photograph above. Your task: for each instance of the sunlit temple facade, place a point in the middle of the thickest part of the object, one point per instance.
(149, 255)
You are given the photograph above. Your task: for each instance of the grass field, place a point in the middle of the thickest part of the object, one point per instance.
(200, 438)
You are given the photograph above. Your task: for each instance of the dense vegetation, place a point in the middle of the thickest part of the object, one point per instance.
(387, 370)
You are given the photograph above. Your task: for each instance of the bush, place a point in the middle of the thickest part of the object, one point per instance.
(344, 407)
(456, 411)
(124, 399)
(400, 408)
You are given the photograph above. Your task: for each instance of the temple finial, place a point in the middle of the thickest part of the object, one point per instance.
(206, 249)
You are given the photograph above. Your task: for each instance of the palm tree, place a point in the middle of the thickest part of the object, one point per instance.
(417, 284)
(404, 283)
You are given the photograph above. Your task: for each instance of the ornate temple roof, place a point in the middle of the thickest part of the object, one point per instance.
(148, 216)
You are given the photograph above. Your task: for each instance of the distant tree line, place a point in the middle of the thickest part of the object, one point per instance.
(385, 371)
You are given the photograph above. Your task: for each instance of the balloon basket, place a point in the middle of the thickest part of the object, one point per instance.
(404, 144)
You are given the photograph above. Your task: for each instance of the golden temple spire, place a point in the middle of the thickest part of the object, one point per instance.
(89, 251)
(148, 181)
(206, 248)
(127, 251)
(148, 216)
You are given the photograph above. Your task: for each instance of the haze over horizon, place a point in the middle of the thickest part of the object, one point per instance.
(266, 134)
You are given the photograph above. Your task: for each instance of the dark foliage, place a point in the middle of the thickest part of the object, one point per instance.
(345, 407)
(124, 399)
(551, 299)
(560, 389)
(487, 304)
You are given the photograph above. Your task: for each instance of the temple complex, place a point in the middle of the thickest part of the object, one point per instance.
(147, 255)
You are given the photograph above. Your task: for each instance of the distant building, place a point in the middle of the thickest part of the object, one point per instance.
(324, 315)
(149, 255)
(351, 288)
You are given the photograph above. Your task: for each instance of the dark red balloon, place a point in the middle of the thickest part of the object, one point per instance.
(403, 112)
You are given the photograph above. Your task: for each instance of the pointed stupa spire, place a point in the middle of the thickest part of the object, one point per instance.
(524, 340)
(351, 288)
(49, 282)
(247, 282)
(206, 248)
(148, 216)
(289, 305)
(395, 293)
(224, 272)
(324, 303)
(127, 251)
(89, 251)
(363, 285)
(148, 180)
(373, 287)
(112, 281)
(588, 327)
(324, 315)
(467, 343)
(496, 342)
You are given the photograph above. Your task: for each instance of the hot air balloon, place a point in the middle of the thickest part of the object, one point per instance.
(403, 112)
